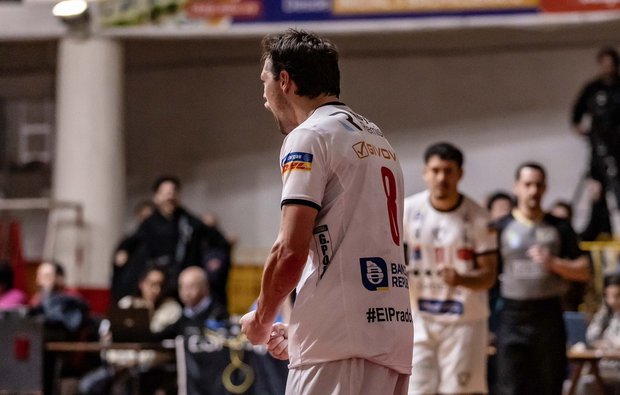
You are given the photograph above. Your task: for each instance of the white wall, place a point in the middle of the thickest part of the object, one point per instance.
(501, 105)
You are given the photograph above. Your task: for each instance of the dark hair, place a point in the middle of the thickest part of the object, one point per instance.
(6, 275)
(152, 267)
(499, 195)
(166, 178)
(611, 279)
(611, 52)
(59, 269)
(311, 61)
(566, 206)
(531, 165)
(445, 151)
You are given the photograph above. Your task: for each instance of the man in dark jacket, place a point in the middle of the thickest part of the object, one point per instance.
(600, 101)
(173, 237)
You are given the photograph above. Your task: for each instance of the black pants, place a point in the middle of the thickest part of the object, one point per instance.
(531, 348)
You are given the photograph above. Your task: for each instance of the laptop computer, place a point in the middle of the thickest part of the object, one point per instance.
(130, 325)
(576, 327)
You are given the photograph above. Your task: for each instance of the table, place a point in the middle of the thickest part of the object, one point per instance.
(99, 346)
(134, 360)
(579, 357)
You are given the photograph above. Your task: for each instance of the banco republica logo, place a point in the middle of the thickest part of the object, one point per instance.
(374, 274)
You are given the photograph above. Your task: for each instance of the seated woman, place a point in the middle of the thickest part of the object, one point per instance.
(121, 364)
(163, 310)
(604, 332)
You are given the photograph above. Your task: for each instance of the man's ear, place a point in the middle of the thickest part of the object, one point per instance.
(285, 81)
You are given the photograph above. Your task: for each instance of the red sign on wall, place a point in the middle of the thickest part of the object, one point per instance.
(245, 9)
(579, 5)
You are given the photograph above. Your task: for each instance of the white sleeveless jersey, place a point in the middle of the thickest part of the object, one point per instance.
(453, 238)
(352, 300)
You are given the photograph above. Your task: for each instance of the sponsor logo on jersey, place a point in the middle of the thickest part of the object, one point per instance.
(437, 307)
(363, 150)
(388, 314)
(417, 253)
(297, 161)
(377, 277)
(324, 247)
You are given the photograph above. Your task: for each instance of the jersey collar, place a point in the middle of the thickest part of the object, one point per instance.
(519, 216)
(331, 103)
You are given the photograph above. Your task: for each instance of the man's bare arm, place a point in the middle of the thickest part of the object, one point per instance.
(283, 269)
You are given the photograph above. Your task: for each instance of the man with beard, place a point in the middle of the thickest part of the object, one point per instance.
(174, 238)
(452, 264)
(340, 234)
(540, 254)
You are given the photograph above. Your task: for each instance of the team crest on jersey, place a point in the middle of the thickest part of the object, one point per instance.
(374, 274)
(297, 161)
(513, 238)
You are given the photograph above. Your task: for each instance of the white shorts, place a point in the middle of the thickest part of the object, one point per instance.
(355, 376)
(449, 358)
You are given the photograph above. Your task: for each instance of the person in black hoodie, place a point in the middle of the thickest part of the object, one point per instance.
(198, 305)
(599, 101)
(173, 237)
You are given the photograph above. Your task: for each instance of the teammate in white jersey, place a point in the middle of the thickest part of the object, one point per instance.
(340, 239)
(452, 263)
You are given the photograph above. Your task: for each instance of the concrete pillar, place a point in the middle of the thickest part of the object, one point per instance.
(89, 166)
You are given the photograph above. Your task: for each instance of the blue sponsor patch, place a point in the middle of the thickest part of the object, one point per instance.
(297, 157)
(375, 275)
(297, 161)
(441, 306)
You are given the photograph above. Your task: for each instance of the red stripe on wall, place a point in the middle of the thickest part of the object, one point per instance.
(98, 298)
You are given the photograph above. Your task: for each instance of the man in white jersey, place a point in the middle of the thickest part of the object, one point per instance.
(452, 263)
(340, 234)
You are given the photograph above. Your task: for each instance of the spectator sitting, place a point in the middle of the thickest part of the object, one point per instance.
(163, 310)
(199, 307)
(50, 280)
(67, 318)
(604, 331)
(10, 297)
